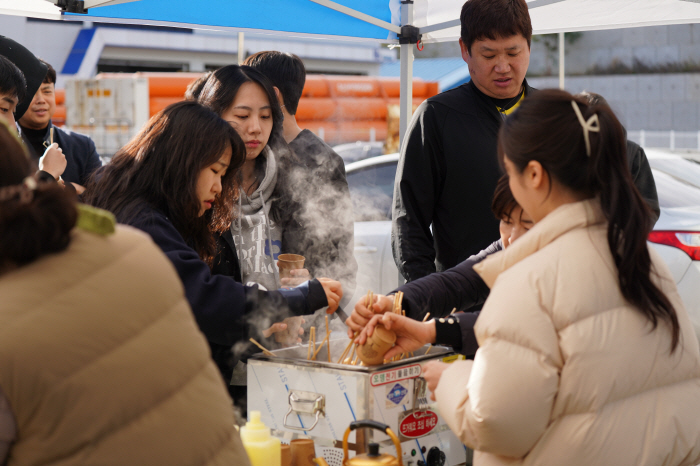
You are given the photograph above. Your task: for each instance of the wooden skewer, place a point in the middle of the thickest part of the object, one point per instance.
(328, 339)
(347, 348)
(51, 135)
(324, 341)
(426, 317)
(265, 351)
(453, 311)
(313, 342)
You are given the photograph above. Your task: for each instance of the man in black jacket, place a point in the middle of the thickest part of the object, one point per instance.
(80, 153)
(448, 167)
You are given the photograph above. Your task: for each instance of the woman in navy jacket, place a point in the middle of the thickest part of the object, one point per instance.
(176, 181)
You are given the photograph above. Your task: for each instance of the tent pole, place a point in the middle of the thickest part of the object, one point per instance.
(561, 60)
(241, 48)
(406, 99)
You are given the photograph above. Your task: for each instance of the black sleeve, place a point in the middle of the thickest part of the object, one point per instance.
(92, 161)
(643, 178)
(416, 191)
(459, 287)
(457, 331)
(225, 310)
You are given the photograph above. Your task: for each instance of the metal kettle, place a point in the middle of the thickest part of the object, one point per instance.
(373, 458)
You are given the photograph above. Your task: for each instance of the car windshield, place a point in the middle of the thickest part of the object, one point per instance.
(674, 191)
(371, 191)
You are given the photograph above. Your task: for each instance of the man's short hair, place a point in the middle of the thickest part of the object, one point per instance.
(50, 77)
(196, 86)
(286, 71)
(11, 79)
(493, 19)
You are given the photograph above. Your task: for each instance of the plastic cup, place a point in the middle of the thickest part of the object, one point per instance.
(286, 455)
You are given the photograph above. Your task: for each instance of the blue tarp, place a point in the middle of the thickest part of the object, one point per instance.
(293, 16)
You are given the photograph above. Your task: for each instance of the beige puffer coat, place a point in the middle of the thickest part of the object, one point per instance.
(103, 364)
(567, 372)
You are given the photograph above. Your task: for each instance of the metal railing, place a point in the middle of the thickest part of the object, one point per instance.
(672, 140)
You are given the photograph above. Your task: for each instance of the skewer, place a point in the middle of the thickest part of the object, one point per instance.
(313, 342)
(453, 311)
(51, 135)
(265, 351)
(324, 341)
(426, 317)
(347, 348)
(328, 339)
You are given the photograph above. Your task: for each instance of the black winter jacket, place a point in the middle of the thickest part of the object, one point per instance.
(446, 177)
(81, 155)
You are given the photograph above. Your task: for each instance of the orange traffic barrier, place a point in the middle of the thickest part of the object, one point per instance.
(316, 86)
(370, 108)
(60, 97)
(156, 104)
(321, 108)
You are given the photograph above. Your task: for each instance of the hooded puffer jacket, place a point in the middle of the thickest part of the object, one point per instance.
(102, 363)
(567, 371)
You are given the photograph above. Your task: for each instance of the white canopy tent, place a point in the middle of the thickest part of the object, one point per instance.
(365, 20)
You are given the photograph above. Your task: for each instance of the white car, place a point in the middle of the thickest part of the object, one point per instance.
(676, 235)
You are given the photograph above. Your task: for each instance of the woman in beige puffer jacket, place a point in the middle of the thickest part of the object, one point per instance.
(586, 357)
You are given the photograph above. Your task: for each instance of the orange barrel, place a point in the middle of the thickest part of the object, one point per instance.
(416, 101)
(159, 103)
(61, 98)
(392, 87)
(169, 84)
(321, 108)
(316, 86)
(361, 130)
(361, 108)
(59, 116)
(354, 86)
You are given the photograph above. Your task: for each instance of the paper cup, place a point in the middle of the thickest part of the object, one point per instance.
(291, 334)
(289, 262)
(376, 346)
(303, 452)
(286, 455)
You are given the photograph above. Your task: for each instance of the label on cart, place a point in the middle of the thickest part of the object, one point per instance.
(394, 375)
(414, 424)
(395, 394)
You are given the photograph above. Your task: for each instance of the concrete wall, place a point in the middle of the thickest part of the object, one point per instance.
(658, 102)
(655, 45)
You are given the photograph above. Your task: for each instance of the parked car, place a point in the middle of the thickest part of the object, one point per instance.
(359, 150)
(676, 235)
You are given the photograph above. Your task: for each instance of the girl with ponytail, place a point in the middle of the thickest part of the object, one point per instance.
(585, 348)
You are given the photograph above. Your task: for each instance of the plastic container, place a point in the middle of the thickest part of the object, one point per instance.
(262, 448)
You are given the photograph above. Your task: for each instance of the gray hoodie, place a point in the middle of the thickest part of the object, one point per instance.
(258, 238)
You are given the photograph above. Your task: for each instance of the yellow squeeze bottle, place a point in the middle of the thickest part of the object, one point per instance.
(262, 448)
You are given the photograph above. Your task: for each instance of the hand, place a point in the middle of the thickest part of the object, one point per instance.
(284, 337)
(298, 276)
(432, 371)
(334, 293)
(53, 161)
(78, 188)
(410, 334)
(362, 314)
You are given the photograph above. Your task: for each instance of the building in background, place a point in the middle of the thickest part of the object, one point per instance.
(83, 49)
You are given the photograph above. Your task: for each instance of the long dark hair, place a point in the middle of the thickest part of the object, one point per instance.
(34, 220)
(545, 128)
(219, 93)
(160, 167)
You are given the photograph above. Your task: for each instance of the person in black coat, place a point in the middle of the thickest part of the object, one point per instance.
(175, 180)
